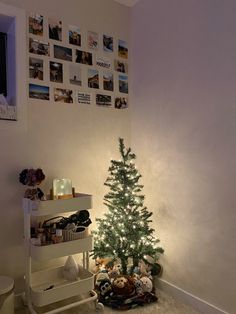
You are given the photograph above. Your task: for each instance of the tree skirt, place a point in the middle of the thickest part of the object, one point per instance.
(124, 292)
(124, 303)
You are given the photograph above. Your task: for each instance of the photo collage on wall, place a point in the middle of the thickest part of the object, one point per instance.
(71, 65)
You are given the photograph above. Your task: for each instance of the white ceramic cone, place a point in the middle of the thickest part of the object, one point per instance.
(71, 269)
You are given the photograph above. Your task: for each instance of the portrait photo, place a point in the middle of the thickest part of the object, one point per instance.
(74, 35)
(55, 29)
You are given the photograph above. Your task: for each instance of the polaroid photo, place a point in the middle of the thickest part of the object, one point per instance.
(36, 24)
(121, 102)
(92, 40)
(123, 84)
(108, 82)
(122, 49)
(56, 72)
(63, 95)
(74, 35)
(36, 68)
(38, 92)
(38, 47)
(84, 57)
(93, 78)
(55, 29)
(107, 43)
(121, 66)
(75, 75)
(62, 53)
(103, 100)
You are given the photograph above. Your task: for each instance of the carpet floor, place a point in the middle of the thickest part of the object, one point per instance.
(165, 305)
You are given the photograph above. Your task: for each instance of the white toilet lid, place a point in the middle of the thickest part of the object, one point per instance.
(6, 284)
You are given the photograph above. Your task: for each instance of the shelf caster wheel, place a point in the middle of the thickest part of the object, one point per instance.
(99, 306)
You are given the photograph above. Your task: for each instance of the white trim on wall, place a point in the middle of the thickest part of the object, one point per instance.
(198, 304)
(17, 35)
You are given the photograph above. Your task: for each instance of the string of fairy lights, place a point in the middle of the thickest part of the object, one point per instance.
(124, 231)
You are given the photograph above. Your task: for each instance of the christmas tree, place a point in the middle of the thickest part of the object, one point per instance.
(125, 233)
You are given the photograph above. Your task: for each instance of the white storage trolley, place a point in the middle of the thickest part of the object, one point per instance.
(38, 292)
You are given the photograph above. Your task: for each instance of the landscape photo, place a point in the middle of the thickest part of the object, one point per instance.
(123, 84)
(122, 49)
(36, 68)
(38, 92)
(36, 24)
(62, 53)
(103, 100)
(75, 75)
(74, 35)
(55, 29)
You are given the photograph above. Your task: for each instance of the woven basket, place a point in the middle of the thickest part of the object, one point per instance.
(70, 235)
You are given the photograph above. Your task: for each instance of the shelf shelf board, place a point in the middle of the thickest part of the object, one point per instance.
(46, 252)
(61, 288)
(50, 207)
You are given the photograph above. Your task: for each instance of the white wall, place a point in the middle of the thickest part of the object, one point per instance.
(183, 130)
(66, 140)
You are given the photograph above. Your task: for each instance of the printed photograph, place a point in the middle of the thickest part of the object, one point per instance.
(75, 75)
(103, 63)
(74, 35)
(36, 68)
(62, 53)
(108, 83)
(93, 78)
(56, 72)
(123, 84)
(103, 100)
(122, 49)
(121, 103)
(38, 92)
(36, 24)
(55, 29)
(83, 57)
(84, 98)
(63, 95)
(38, 47)
(92, 40)
(107, 43)
(120, 66)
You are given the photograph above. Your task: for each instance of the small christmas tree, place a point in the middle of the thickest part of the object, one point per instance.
(124, 233)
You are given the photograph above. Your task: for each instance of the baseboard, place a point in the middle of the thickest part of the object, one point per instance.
(188, 298)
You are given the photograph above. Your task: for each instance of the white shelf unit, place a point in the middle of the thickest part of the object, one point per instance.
(37, 283)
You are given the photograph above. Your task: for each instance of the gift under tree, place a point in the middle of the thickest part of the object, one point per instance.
(124, 233)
